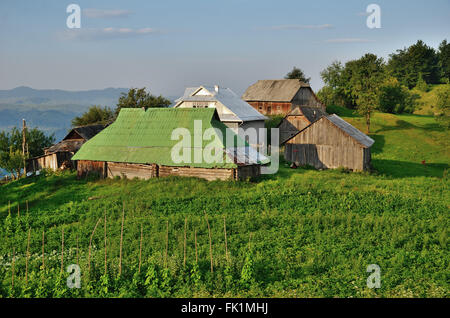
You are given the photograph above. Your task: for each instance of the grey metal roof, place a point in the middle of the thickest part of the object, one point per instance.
(311, 113)
(274, 90)
(350, 130)
(242, 111)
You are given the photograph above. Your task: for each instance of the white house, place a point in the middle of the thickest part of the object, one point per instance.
(232, 110)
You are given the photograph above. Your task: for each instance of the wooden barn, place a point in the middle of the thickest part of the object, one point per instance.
(330, 142)
(140, 143)
(279, 97)
(298, 119)
(59, 155)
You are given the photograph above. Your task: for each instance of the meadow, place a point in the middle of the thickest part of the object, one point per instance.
(299, 233)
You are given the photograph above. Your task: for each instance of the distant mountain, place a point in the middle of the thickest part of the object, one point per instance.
(50, 109)
(27, 95)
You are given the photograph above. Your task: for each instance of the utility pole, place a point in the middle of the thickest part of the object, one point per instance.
(24, 146)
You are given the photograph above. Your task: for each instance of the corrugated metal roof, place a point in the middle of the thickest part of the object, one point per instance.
(241, 110)
(274, 90)
(87, 132)
(144, 136)
(350, 130)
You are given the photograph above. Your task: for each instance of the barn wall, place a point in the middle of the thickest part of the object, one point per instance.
(305, 97)
(323, 146)
(87, 167)
(204, 173)
(131, 170)
(272, 108)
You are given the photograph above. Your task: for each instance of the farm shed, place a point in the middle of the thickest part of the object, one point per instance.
(330, 142)
(233, 111)
(279, 97)
(140, 144)
(297, 119)
(59, 155)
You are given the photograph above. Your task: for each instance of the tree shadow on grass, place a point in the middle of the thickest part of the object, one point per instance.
(402, 169)
(378, 146)
(402, 124)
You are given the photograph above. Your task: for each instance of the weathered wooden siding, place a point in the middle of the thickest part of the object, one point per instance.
(87, 166)
(306, 97)
(204, 173)
(131, 170)
(272, 108)
(323, 146)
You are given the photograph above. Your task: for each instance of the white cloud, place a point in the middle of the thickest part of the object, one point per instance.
(300, 27)
(100, 13)
(90, 34)
(349, 40)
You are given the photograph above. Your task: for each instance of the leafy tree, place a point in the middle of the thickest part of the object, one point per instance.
(421, 84)
(36, 140)
(297, 73)
(444, 60)
(94, 115)
(138, 98)
(366, 76)
(407, 64)
(12, 162)
(443, 105)
(335, 91)
(396, 98)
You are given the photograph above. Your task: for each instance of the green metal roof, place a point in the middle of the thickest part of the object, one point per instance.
(144, 136)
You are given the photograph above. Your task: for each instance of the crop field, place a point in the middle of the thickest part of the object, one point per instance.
(299, 233)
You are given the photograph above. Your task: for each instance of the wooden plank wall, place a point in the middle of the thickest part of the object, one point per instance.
(272, 108)
(88, 166)
(131, 170)
(204, 173)
(147, 171)
(323, 146)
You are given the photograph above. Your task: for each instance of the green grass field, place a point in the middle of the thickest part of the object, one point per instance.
(299, 233)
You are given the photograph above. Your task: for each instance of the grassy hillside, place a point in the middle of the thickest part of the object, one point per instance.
(427, 100)
(295, 234)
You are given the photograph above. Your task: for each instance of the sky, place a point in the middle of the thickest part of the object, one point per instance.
(169, 45)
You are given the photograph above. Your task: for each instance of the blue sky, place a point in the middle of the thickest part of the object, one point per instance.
(167, 45)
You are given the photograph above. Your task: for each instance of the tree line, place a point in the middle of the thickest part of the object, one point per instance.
(370, 83)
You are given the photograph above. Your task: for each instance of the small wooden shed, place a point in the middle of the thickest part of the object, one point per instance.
(279, 97)
(59, 155)
(330, 142)
(140, 144)
(298, 119)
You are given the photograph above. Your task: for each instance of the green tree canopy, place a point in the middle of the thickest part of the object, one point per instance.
(407, 64)
(36, 140)
(365, 78)
(94, 115)
(443, 105)
(444, 60)
(138, 98)
(297, 73)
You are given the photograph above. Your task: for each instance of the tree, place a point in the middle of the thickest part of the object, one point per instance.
(366, 76)
(12, 162)
(334, 92)
(36, 141)
(94, 115)
(407, 64)
(443, 105)
(396, 98)
(297, 73)
(421, 84)
(139, 98)
(444, 60)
